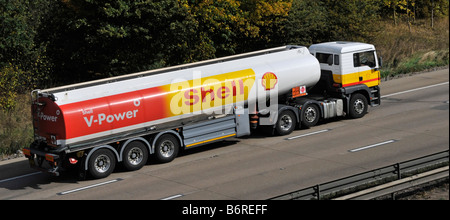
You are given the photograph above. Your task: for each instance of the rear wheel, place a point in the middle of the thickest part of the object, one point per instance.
(310, 116)
(166, 148)
(286, 123)
(135, 155)
(101, 163)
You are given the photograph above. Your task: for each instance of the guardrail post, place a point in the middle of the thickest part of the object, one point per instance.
(317, 191)
(397, 170)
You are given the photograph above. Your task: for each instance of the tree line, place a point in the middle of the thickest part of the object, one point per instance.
(46, 43)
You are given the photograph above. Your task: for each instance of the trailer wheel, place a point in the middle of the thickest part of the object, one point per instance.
(135, 155)
(358, 106)
(166, 148)
(101, 163)
(286, 123)
(310, 116)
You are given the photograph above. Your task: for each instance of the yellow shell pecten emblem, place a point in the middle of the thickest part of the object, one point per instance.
(269, 80)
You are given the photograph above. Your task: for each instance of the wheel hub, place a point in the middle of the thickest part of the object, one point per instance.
(310, 114)
(286, 122)
(102, 163)
(167, 148)
(135, 156)
(359, 106)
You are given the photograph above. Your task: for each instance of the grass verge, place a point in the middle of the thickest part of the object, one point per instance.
(406, 51)
(16, 130)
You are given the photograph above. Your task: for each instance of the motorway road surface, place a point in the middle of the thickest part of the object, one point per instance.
(412, 121)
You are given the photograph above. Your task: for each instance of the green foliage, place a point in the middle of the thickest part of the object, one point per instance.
(56, 42)
(409, 10)
(23, 63)
(97, 39)
(9, 83)
(304, 29)
(218, 25)
(17, 37)
(266, 22)
(328, 20)
(352, 19)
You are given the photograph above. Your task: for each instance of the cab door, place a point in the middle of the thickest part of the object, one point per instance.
(366, 64)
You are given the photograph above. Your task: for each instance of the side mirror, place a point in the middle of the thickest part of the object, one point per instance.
(380, 62)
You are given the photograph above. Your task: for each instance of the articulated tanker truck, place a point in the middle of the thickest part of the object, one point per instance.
(154, 114)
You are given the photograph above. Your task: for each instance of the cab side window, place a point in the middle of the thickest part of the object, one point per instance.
(364, 59)
(324, 57)
(328, 58)
(336, 60)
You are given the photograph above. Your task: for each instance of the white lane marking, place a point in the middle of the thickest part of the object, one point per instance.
(172, 197)
(88, 187)
(18, 177)
(413, 90)
(305, 135)
(372, 146)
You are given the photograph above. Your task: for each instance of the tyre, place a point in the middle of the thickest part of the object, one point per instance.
(166, 148)
(286, 123)
(135, 155)
(311, 116)
(358, 106)
(101, 163)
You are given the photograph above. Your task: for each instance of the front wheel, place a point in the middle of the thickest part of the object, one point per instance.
(358, 106)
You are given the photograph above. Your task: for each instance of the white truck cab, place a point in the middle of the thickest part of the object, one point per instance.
(349, 63)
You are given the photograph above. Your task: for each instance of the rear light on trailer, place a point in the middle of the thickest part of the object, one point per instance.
(73, 161)
(26, 152)
(50, 157)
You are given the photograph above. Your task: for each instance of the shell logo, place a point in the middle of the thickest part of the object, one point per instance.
(269, 80)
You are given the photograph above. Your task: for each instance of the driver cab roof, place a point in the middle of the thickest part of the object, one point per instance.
(341, 47)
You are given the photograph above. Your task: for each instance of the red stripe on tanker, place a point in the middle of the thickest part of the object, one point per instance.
(112, 112)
